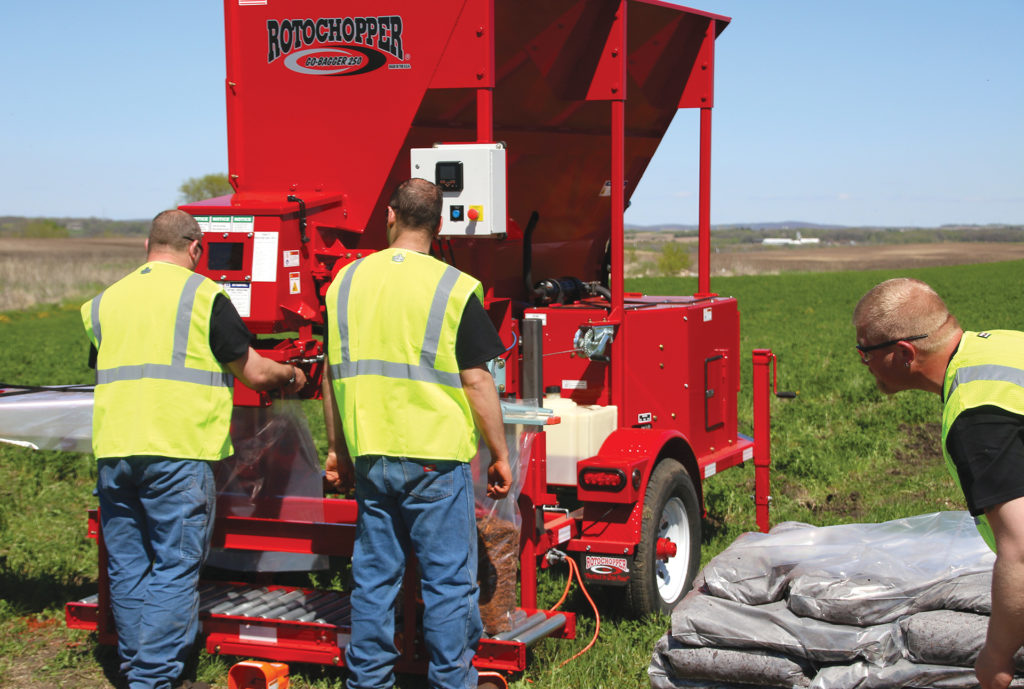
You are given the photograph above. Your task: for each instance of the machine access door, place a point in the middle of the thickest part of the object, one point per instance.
(715, 394)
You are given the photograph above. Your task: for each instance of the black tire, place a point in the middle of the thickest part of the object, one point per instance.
(670, 510)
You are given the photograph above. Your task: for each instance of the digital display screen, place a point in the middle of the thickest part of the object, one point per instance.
(448, 175)
(225, 255)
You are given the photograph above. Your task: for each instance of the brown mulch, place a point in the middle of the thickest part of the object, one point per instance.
(498, 548)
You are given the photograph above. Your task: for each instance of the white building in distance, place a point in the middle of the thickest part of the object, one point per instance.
(786, 240)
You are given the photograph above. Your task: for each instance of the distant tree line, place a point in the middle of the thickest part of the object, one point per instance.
(191, 190)
(722, 236)
(41, 228)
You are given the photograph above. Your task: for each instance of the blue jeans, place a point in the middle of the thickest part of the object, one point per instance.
(429, 507)
(157, 520)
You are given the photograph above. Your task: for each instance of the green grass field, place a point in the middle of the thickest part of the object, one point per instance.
(841, 452)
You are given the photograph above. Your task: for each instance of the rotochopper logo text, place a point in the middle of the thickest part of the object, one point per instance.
(342, 45)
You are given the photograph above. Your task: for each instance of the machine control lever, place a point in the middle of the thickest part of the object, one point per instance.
(302, 216)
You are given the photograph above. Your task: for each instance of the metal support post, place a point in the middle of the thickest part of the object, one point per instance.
(763, 360)
(704, 208)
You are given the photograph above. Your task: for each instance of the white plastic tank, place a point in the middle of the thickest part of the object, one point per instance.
(579, 435)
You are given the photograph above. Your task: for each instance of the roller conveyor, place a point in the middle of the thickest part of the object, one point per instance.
(275, 603)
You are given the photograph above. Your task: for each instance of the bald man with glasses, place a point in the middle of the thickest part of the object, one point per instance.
(909, 341)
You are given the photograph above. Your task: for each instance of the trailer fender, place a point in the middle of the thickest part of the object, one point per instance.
(653, 549)
(635, 452)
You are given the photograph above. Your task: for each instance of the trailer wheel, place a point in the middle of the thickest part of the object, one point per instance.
(671, 515)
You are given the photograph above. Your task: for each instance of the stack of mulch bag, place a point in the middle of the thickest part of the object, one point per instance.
(903, 603)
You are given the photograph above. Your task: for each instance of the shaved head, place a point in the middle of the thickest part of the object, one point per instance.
(904, 307)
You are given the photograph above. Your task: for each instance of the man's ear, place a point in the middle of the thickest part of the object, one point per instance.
(907, 353)
(437, 230)
(391, 215)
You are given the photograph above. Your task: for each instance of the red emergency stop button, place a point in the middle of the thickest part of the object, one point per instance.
(473, 213)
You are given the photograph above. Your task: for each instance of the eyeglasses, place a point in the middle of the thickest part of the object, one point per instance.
(863, 350)
(195, 239)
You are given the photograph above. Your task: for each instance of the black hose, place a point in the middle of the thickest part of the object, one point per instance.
(528, 253)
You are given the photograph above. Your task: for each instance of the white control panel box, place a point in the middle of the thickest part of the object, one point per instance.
(472, 180)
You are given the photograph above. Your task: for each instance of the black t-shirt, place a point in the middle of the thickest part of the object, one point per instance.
(987, 447)
(477, 342)
(229, 336)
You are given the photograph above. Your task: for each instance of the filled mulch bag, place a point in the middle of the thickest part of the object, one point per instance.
(903, 603)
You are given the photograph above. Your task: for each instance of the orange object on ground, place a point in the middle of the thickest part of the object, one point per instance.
(491, 680)
(258, 674)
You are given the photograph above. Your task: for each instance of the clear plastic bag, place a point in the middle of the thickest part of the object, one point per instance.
(498, 523)
(888, 563)
(47, 418)
(704, 620)
(274, 474)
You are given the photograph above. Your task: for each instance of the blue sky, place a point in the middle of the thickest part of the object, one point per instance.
(906, 113)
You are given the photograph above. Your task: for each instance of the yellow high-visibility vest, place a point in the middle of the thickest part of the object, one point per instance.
(393, 318)
(159, 389)
(987, 370)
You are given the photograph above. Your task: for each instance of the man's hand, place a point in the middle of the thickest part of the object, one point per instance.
(339, 472)
(300, 382)
(993, 671)
(260, 373)
(499, 479)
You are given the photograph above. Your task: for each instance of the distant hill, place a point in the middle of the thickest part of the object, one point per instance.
(653, 237)
(17, 226)
(801, 225)
(760, 226)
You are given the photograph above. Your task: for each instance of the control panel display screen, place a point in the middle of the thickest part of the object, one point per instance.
(225, 255)
(448, 175)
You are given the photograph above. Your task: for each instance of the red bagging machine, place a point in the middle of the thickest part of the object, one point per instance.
(537, 118)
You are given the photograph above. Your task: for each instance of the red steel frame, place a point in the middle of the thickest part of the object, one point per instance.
(292, 641)
(312, 159)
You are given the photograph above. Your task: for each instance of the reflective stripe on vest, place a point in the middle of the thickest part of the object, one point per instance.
(423, 372)
(96, 319)
(160, 389)
(176, 370)
(988, 372)
(391, 339)
(985, 383)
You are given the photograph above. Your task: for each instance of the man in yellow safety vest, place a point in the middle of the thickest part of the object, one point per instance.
(910, 341)
(407, 343)
(166, 342)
